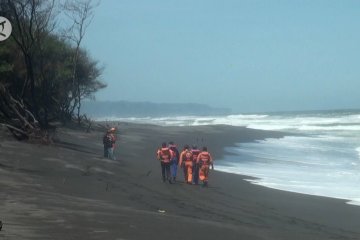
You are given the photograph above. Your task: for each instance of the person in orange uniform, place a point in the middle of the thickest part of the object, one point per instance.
(186, 162)
(113, 137)
(195, 151)
(204, 160)
(164, 155)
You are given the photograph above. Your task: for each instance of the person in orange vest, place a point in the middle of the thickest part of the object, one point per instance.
(204, 160)
(164, 155)
(195, 151)
(186, 162)
(111, 150)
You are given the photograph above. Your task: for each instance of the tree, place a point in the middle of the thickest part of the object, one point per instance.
(80, 13)
(42, 76)
(32, 20)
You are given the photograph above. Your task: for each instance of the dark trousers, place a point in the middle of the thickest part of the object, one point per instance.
(185, 172)
(196, 173)
(105, 151)
(165, 170)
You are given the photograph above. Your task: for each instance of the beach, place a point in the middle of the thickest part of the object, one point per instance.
(67, 190)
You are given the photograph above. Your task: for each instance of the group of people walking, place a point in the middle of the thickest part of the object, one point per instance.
(195, 163)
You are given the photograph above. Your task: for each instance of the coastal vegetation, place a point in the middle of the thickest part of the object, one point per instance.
(44, 72)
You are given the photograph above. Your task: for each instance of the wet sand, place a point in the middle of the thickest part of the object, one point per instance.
(68, 191)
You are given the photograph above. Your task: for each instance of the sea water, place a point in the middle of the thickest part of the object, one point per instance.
(320, 155)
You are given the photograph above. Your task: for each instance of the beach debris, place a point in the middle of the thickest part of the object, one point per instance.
(161, 211)
(109, 186)
(1, 224)
(86, 171)
(101, 231)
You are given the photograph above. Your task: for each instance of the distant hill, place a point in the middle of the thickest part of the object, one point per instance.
(148, 109)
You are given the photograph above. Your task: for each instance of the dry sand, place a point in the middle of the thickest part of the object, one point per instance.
(68, 191)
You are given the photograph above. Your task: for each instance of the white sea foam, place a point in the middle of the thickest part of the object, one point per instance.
(305, 122)
(323, 158)
(320, 165)
(358, 151)
(355, 201)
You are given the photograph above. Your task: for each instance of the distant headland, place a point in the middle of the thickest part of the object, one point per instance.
(148, 109)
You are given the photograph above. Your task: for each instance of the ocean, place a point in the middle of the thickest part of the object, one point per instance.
(320, 155)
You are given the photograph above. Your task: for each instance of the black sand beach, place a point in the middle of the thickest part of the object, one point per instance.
(68, 191)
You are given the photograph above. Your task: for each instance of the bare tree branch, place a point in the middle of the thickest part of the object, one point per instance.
(81, 13)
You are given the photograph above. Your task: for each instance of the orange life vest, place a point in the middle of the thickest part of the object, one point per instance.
(165, 154)
(205, 158)
(188, 156)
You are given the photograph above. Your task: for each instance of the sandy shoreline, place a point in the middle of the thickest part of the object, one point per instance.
(68, 191)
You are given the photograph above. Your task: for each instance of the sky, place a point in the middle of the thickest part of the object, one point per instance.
(250, 56)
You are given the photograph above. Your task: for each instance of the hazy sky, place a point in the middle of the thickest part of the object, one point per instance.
(246, 55)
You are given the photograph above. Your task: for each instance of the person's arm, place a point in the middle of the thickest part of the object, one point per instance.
(181, 158)
(113, 140)
(158, 154)
(211, 162)
(198, 158)
(172, 155)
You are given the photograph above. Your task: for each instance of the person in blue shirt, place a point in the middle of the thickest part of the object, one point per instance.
(174, 161)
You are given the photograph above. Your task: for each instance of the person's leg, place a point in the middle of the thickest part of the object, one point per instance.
(105, 152)
(206, 175)
(163, 170)
(190, 173)
(110, 153)
(185, 172)
(201, 173)
(168, 174)
(175, 167)
(172, 169)
(196, 173)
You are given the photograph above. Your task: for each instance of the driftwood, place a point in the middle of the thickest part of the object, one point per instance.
(87, 121)
(17, 117)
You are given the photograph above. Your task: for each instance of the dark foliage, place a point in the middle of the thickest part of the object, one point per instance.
(39, 81)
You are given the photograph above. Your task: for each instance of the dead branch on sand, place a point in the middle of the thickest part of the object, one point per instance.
(18, 119)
